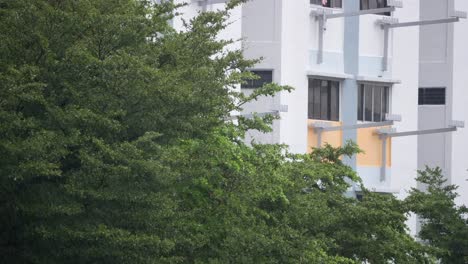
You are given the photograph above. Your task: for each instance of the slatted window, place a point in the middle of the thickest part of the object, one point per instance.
(431, 96)
(266, 76)
(374, 4)
(373, 102)
(324, 100)
(329, 3)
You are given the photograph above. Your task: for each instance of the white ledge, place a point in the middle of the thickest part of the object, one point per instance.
(376, 79)
(330, 75)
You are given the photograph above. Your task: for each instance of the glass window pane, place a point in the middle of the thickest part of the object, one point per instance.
(319, 2)
(335, 101)
(360, 102)
(338, 4)
(381, 3)
(364, 4)
(315, 2)
(324, 96)
(386, 102)
(367, 103)
(310, 101)
(377, 103)
(316, 92)
(323, 100)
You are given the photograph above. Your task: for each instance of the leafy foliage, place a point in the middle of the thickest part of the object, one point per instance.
(115, 149)
(444, 226)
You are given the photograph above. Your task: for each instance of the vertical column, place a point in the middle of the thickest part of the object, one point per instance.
(351, 66)
(449, 93)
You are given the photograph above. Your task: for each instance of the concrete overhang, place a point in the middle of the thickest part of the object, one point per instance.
(330, 75)
(370, 79)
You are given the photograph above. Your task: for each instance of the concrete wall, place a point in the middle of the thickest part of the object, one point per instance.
(459, 155)
(443, 63)
(436, 66)
(261, 34)
(334, 138)
(431, 148)
(294, 43)
(333, 43)
(405, 67)
(186, 13)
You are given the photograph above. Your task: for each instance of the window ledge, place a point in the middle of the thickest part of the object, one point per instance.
(330, 75)
(377, 80)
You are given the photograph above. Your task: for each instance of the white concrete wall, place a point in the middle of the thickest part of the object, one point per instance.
(435, 70)
(294, 51)
(333, 43)
(333, 36)
(405, 65)
(186, 13)
(371, 46)
(261, 38)
(460, 105)
(193, 8)
(232, 32)
(371, 39)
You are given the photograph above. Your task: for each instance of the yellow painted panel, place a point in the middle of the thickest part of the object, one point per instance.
(333, 138)
(371, 144)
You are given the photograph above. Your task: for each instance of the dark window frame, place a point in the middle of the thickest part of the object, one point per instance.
(330, 3)
(374, 4)
(266, 76)
(323, 99)
(432, 96)
(370, 97)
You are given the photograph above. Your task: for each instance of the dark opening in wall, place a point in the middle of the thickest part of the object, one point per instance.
(328, 3)
(266, 76)
(431, 96)
(374, 4)
(324, 100)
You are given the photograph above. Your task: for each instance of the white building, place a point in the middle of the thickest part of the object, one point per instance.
(355, 74)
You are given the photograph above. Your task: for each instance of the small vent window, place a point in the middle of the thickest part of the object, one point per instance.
(431, 96)
(265, 77)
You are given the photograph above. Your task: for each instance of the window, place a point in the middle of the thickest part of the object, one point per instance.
(374, 4)
(329, 3)
(266, 76)
(324, 102)
(431, 96)
(373, 102)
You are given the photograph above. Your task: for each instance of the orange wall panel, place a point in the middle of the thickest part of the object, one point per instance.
(371, 144)
(334, 138)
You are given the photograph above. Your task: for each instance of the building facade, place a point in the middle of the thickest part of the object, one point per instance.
(388, 75)
(444, 70)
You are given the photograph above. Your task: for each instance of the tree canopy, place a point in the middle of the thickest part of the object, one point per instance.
(115, 149)
(444, 225)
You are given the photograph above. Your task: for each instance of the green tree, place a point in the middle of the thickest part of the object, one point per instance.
(115, 149)
(93, 95)
(444, 225)
(372, 229)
